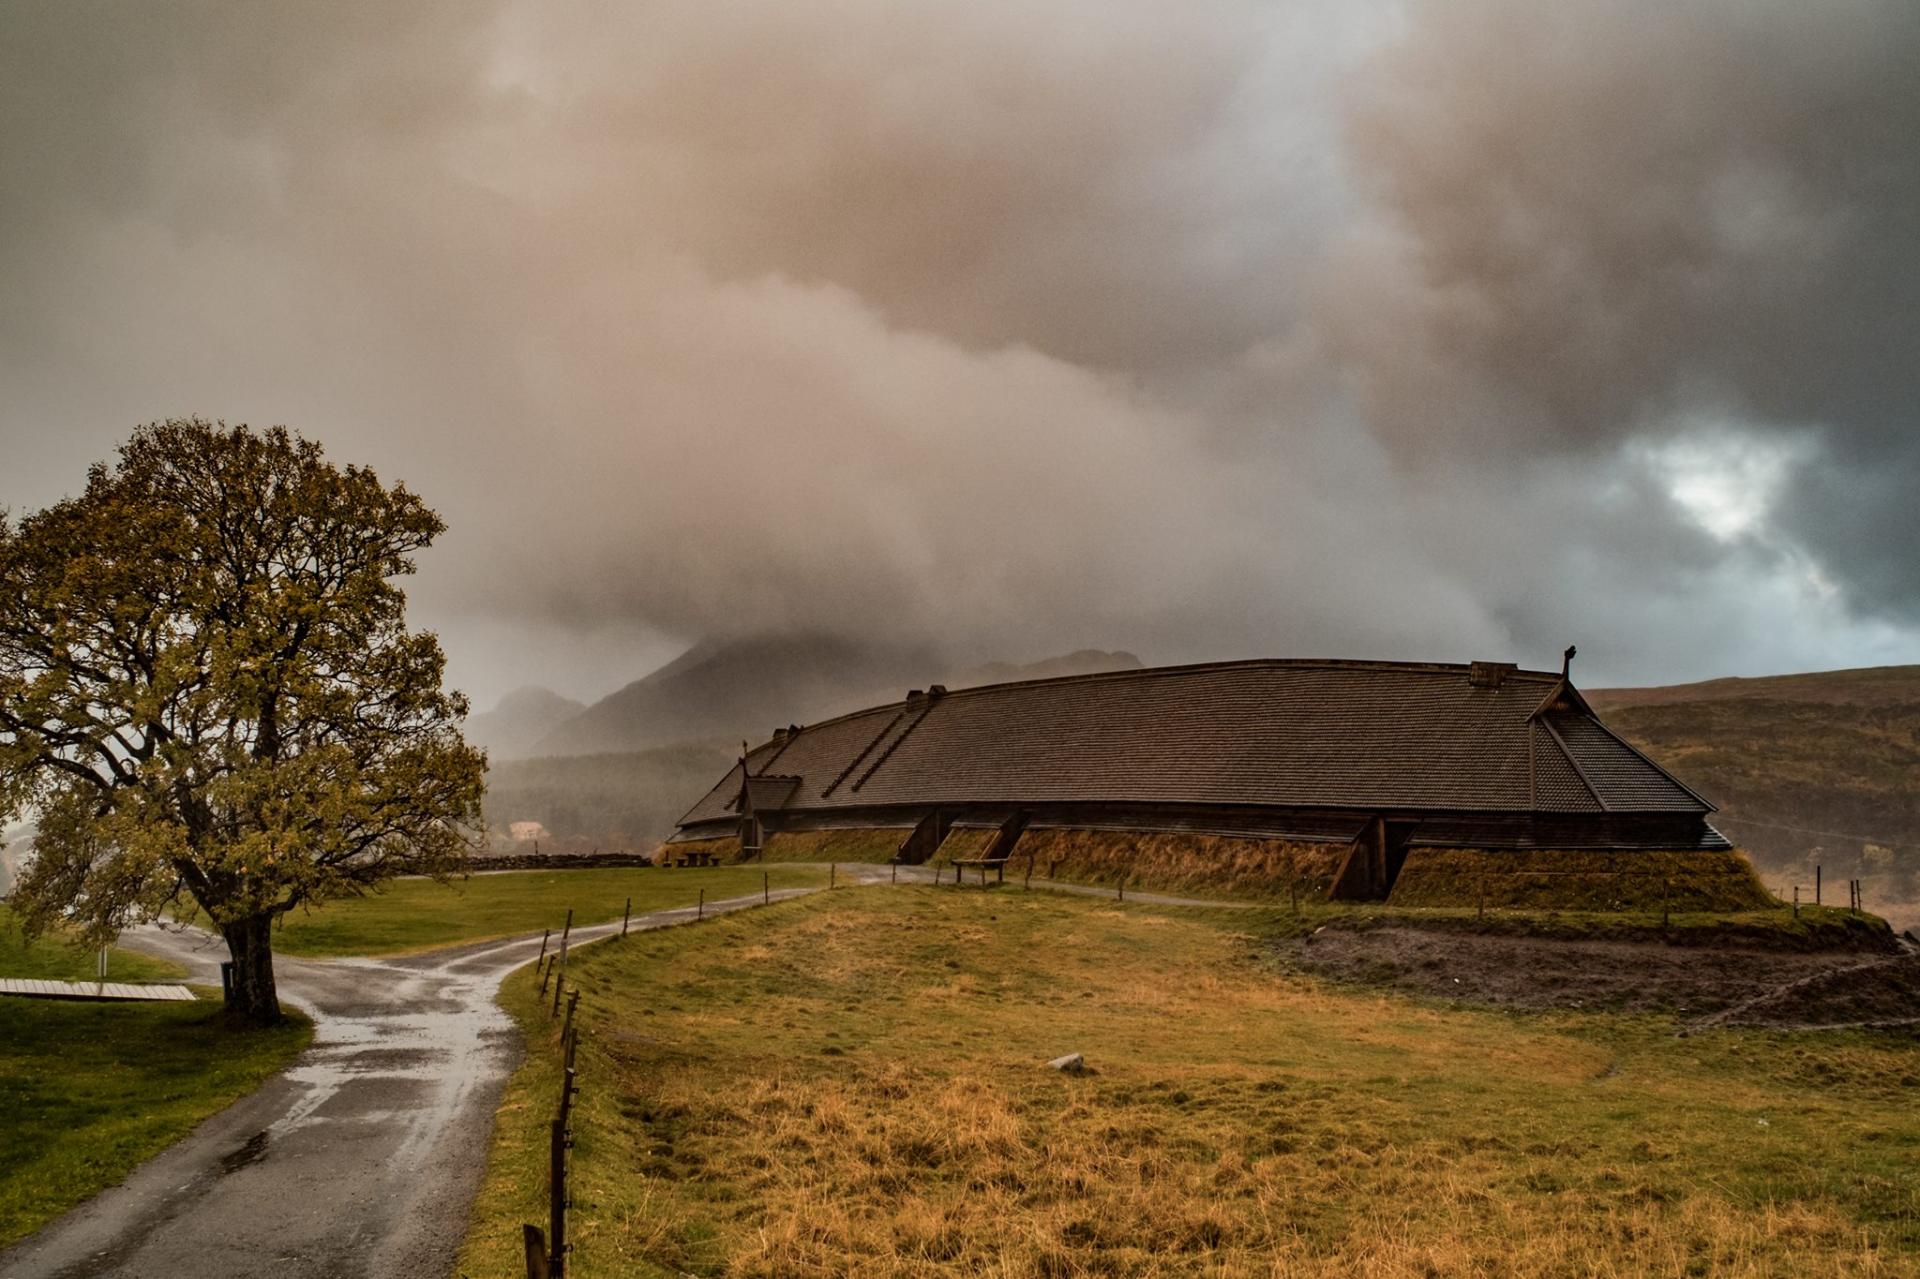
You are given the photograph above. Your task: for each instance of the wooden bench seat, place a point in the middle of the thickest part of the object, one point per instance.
(996, 864)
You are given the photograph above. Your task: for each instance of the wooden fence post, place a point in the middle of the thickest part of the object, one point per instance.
(557, 1199)
(766, 888)
(833, 873)
(701, 912)
(1796, 901)
(536, 1246)
(1816, 883)
(626, 914)
(1029, 883)
(545, 937)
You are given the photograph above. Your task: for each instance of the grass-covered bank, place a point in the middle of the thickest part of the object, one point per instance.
(89, 1091)
(879, 844)
(56, 957)
(421, 914)
(853, 1084)
(1542, 879)
(1183, 864)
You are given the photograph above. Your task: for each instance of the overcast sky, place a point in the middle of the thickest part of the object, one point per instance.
(1436, 330)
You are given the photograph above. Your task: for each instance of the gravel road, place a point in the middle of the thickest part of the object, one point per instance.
(360, 1159)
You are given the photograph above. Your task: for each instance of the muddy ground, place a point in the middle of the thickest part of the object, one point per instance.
(1698, 984)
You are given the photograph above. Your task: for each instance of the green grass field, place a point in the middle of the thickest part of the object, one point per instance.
(420, 914)
(91, 1090)
(854, 1084)
(56, 958)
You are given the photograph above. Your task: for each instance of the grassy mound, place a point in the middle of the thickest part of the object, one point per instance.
(1581, 880)
(1197, 865)
(875, 845)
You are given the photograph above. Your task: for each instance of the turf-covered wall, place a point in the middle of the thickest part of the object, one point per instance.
(1180, 862)
(1580, 880)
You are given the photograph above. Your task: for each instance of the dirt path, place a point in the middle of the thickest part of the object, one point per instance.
(1703, 985)
(360, 1159)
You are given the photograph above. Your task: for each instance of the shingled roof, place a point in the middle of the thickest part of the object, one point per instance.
(1284, 733)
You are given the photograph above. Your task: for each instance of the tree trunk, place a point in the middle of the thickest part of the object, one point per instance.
(251, 994)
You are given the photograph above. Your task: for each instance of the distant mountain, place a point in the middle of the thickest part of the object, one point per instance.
(1865, 686)
(722, 691)
(523, 717)
(1816, 769)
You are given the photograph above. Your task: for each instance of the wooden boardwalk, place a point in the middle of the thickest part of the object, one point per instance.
(37, 989)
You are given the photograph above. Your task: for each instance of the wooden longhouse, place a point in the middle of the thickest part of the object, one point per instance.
(1370, 760)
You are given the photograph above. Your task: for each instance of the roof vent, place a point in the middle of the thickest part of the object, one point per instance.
(1490, 674)
(915, 694)
(782, 734)
(936, 690)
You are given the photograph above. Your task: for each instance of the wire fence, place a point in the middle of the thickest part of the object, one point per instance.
(547, 1249)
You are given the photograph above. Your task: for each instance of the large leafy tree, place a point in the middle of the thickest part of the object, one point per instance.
(208, 690)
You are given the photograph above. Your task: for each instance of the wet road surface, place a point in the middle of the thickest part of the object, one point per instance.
(361, 1159)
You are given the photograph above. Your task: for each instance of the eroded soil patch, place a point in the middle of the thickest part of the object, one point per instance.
(1881, 993)
(1533, 973)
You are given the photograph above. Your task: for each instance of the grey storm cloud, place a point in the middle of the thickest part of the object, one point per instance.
(1444, 330)
(1609, 221)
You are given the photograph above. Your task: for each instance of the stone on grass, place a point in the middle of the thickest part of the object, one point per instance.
(1072, 1064)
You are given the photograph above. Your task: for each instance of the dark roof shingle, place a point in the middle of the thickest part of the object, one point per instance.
(1326, 734)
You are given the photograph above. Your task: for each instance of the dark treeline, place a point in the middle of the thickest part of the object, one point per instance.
(630, 799)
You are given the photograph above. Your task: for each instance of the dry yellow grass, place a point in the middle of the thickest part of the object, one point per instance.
(852, 1085)
(1206, 865)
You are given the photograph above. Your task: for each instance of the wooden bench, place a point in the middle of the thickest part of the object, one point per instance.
(697, 859)
(997, 864)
